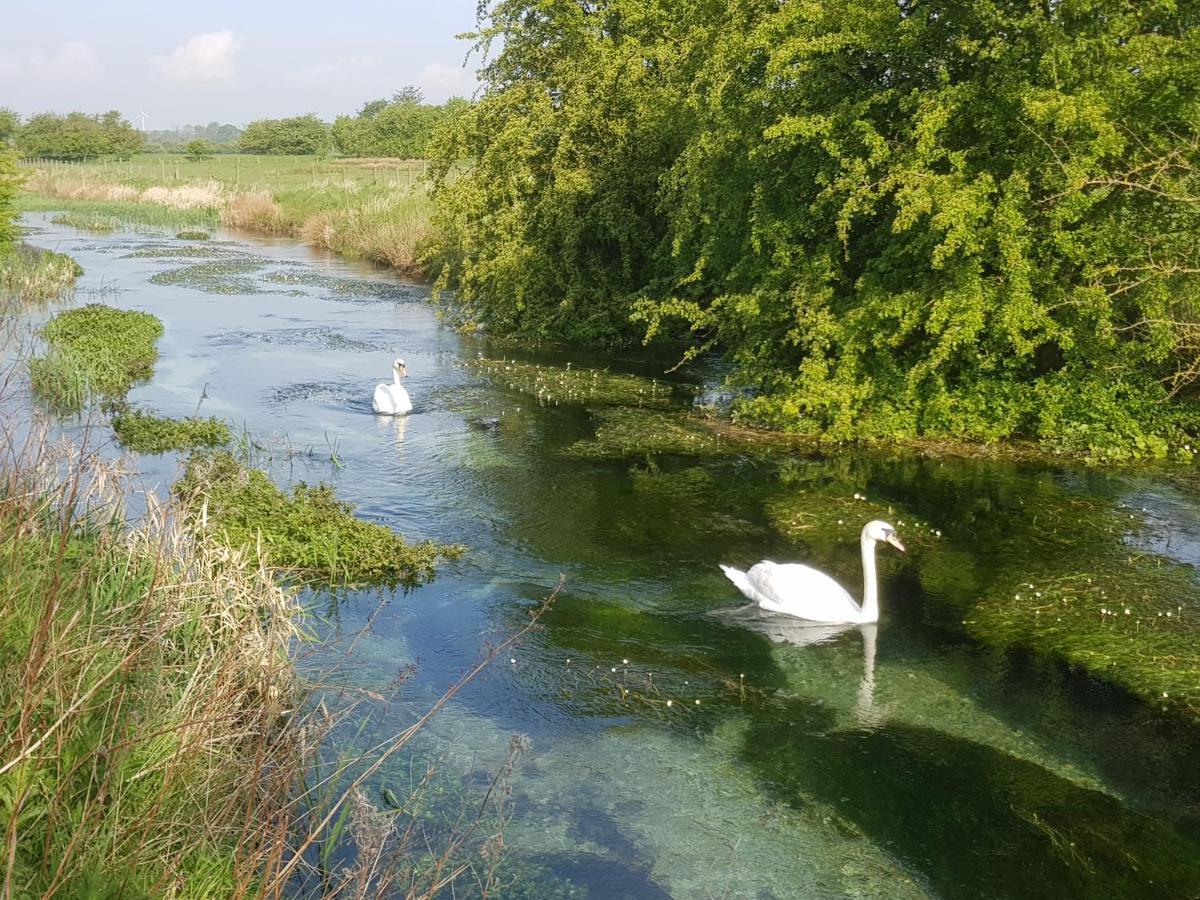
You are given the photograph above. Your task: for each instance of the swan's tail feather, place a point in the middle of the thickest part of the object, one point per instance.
(738, 577)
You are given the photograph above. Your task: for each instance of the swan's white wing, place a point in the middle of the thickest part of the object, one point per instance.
(381, 402)
(802, 591)
(391, 399)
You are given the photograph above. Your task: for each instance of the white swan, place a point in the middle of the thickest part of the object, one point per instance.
(392, 399)
(808, 594)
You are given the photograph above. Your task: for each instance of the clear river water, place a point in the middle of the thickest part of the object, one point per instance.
(911, 759)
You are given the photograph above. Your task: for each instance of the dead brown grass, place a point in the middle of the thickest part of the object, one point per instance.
(255, 211)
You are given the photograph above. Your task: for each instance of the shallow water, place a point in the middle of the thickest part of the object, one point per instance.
(905, 760)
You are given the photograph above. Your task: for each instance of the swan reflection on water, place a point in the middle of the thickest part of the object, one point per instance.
(785, 629)
(397, 425)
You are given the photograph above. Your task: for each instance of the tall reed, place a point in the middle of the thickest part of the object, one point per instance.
(155, 739)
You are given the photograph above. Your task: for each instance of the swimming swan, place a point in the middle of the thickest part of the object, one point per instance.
(797, 590)
(392, 399)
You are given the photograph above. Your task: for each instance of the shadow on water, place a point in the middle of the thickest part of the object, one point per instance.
(973, 821)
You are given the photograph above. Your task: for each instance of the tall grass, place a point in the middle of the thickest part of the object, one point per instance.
(31, 276)
(391, 229)
(144, 745)
(155, 739)
(255, 211)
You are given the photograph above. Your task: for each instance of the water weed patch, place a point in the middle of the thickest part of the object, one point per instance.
(146, 432)
(95, 350)
(586, 386)
(29, 275)
(309, 532)
(85, 221)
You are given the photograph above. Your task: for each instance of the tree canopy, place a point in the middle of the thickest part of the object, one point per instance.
(898, 218)
(400, 127)
(78, 135)
(296, 136)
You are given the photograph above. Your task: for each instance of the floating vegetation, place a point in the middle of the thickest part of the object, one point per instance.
(310, 533)
(326, 338)
(177, 251)
(218, 277)
(624, 432)
(349, 288)
(193, 235)
(145, 432)
(94, 350)
(30, 275)
(552, 385)
(94, 222)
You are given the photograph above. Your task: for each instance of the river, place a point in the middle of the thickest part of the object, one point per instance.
(912, 759)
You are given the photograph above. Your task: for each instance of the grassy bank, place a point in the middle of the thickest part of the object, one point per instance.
(370, 209)
(29, 276)
(143, 745)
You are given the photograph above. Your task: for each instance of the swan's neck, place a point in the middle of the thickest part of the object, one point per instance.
(870, 604)
(396, 377)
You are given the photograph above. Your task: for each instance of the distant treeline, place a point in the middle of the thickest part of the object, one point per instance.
(222, 138)
(400, 127)
(899, 219)
(72, 136)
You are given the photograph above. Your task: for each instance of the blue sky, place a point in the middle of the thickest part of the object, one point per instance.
(229, 61)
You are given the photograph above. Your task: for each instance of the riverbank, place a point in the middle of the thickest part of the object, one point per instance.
(147, 737)
(371, 209)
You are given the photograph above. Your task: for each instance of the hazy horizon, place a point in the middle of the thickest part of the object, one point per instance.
(230, 64)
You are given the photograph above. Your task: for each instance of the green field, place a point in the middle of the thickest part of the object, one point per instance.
(376, 209)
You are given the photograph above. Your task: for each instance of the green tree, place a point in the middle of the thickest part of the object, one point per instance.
(297, 136)
(10, 121)
(897, 218)
(199, 149)
(78, 136)
(401, 127)
(10, 183)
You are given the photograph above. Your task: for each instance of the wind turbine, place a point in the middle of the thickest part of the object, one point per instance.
(144, 118)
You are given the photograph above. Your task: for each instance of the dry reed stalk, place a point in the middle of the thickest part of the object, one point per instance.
(255, 211)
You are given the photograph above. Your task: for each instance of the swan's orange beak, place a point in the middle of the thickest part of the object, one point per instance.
(404, 371)
(895, 541)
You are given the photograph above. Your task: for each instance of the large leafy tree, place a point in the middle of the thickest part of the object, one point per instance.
(899, 217)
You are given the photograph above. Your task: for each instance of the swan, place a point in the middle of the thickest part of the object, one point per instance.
(392, 399)
(799, 591)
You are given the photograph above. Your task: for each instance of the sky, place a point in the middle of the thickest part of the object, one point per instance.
(217, 60)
